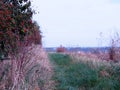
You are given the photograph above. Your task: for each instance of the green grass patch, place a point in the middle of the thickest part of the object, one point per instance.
(60, 59)
(71, 75)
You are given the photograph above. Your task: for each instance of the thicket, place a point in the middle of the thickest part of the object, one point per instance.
(16, 26)
(114, 51)
(17, 34)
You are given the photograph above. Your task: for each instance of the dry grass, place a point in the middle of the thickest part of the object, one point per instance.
(46, 67)
(30, 70)
(93, 61)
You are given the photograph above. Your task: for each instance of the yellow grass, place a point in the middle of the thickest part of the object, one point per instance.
(94, 62)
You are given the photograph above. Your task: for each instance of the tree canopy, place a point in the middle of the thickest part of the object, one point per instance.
(16, 25)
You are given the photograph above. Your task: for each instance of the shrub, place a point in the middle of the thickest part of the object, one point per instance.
(17, 26)
(114, 50)
(61, 49)
(17, 33)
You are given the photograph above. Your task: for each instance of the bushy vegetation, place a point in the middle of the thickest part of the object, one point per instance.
(19, 69)
(61, 49)
(70, 75)
(114, 51)
(17, 28)
(30, 71)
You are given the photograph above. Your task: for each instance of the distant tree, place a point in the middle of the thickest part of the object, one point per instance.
(61, 49)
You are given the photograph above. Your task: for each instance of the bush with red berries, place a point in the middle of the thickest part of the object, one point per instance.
(16, 25)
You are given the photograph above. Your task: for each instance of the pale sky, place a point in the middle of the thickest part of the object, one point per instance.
(77, 22)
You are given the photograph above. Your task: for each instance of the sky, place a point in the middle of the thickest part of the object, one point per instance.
(72, 23)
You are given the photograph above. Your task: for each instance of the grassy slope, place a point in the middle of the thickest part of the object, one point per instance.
(71, 75)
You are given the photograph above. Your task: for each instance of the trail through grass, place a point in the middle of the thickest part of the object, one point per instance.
(70, 75)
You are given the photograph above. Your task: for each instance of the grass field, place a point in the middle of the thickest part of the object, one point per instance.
(58, 71)
(73, 74)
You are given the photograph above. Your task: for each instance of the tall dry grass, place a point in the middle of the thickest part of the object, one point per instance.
(29, 70)
(93, 61)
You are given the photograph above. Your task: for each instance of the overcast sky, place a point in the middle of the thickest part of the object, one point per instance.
(77, 22)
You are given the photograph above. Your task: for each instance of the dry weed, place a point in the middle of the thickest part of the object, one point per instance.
(93, 62)
(30, 70)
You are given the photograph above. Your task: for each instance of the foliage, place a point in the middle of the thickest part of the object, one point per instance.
(16, 25)
(17, 32)
(61, 49)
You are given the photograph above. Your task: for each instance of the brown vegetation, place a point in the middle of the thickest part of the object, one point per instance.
(30, 70)
(114, 51)
(61, 49)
